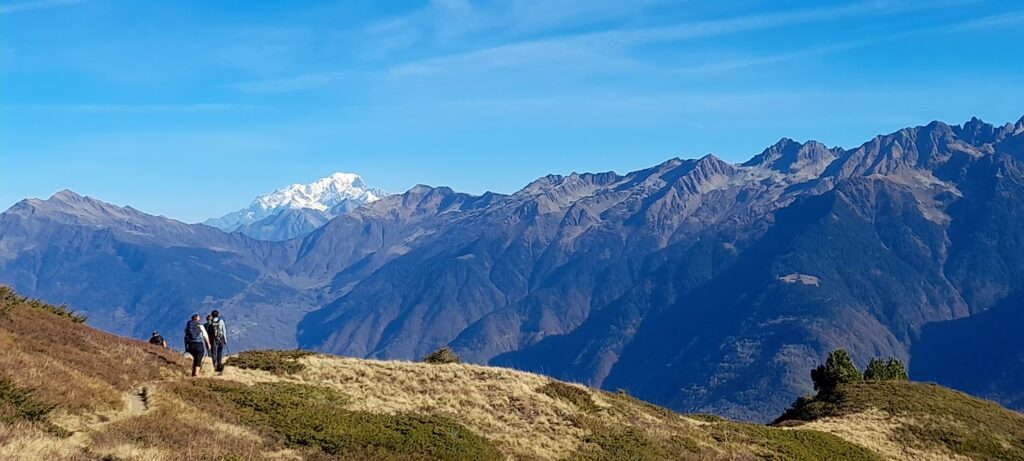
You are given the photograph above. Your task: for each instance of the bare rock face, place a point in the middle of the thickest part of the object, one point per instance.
(697, 284)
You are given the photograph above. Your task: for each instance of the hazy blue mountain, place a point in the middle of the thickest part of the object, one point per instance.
(703, 285)
(698, 284)
(132, 273)
(981, 354)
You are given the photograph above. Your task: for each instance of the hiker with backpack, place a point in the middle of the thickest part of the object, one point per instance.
(157, 340)
(218, 339)
(195, 339)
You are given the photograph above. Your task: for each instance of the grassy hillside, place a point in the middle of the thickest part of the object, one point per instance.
(906, 419)
(70, 392)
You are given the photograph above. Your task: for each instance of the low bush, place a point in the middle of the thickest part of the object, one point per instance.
(306, 416)
(706, 417)
(442, 355)
(773, 443)
(18, 404)
(619, 443)
(9, 299)
(276, 362)
(573, 394)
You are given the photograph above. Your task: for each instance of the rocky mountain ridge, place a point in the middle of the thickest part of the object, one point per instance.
(697, 284)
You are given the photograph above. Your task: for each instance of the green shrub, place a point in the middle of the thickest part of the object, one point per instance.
(896, 371)
(890, 370)
(307, 416)
(9, 299)
(17, 403)
(442, 355)
(276, 362)
(838, 369)
(706, 417)
(623, 443)
(573, 394)
(790, 444)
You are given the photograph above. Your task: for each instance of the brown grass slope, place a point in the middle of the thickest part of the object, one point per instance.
(70, 392)
(914, 421)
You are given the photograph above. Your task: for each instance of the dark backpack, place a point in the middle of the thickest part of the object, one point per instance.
(193, 332)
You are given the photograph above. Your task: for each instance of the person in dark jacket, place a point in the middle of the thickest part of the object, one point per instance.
(157, 340)
(218, 339)
(195, 339)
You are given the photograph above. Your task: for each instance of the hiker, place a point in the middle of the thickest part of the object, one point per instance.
(157, 340)
(218, 339)
(195, 339)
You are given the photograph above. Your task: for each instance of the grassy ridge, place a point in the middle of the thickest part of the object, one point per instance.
(933, 417)
(66, 392)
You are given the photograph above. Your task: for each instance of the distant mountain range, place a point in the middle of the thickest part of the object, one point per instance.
(298, 209)
(697, 284)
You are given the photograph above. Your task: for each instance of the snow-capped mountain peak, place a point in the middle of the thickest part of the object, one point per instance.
(322, 194)
(316, 202)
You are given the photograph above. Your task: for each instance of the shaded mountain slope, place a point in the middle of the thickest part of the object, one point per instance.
(131, 272)
(948, 352)
(697, 284)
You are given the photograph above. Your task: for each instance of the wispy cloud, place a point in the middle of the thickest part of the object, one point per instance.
(444, 20)
(722, 66)
(735, 64)
(561, 52)
(35, 5)
(604, 43)
(141, 108)
(998, 20)
(291, 84)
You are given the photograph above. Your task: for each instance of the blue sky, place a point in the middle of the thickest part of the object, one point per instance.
(190, 109)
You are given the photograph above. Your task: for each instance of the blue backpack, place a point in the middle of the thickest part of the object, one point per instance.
(193, 333)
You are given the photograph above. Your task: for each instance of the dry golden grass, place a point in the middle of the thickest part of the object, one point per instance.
(879, 432)
(75, 366)
(515, 410)
(170, 429)
(20, 442)
(506, 407)
(91, 379)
